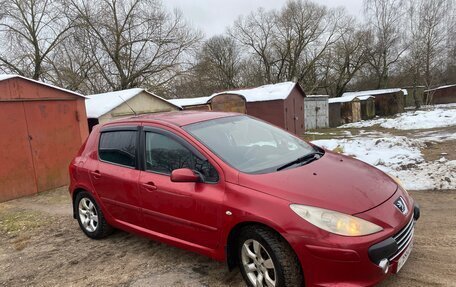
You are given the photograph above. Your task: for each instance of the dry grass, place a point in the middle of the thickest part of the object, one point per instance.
(14, 222)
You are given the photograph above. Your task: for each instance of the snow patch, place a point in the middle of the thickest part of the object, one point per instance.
(422, 119)
(399, 156)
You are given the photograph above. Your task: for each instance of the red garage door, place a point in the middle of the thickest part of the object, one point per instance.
(17, 176)
(38, 140)
(54, 136)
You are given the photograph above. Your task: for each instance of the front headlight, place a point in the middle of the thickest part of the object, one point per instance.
(335, 222)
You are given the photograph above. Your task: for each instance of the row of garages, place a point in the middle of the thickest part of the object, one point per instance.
(43, 126)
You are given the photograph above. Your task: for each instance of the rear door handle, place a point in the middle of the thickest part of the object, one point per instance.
(150, 186)
(96, 174)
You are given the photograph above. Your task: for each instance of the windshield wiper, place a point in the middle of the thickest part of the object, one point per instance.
(308, 158)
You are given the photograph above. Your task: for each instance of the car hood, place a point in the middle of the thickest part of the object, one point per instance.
(334, 182)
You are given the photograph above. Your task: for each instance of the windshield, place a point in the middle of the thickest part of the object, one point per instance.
(249, 145)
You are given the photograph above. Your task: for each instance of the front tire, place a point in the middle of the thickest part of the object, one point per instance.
(266, 259)
(90, 217)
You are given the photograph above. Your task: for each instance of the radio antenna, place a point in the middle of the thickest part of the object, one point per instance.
(128, 106)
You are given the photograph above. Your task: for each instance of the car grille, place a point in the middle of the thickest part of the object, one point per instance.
(404, 237)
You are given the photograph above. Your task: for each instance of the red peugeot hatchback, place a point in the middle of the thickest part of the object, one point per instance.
(234, 188)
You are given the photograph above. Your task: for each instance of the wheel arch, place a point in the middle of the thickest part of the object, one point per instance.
(230, 249)
(75, 193)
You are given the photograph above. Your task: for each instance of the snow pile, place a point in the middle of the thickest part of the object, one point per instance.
(391, 153)
(439, 174)
(428, 119)
(400, 157)
(436, 136)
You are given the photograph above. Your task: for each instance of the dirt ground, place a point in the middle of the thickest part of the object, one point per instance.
(42, 245)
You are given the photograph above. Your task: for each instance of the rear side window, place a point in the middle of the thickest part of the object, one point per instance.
(164, 154)
(118, 147)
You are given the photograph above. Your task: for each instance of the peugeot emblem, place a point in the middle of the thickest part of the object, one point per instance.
(400, 204)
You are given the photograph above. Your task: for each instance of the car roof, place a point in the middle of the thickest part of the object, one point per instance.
(178, 118)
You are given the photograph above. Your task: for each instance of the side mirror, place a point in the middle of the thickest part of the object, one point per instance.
(184, 175)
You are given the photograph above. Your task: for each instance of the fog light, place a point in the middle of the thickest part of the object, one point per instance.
(384, 265)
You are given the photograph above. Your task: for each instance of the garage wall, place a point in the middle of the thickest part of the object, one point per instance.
(441, 96)
(335, 119)
(143, 103)
(294, 112)
(270, 111)
(389, 104)
(228, 103)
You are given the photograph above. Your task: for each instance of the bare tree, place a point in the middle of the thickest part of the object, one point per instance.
(345, 58)
(31, 30)
(385, 18)
(74, 67)
(222, 57)
(256, 32)
(287, 44)
(135, 42)
(428, 40)
(305, 31)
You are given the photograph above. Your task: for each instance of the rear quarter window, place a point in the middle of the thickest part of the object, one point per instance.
(118, 147)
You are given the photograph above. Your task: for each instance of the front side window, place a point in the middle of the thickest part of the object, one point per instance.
(118, 147)
(164, 154)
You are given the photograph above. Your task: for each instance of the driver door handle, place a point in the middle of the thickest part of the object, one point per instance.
(150, 186)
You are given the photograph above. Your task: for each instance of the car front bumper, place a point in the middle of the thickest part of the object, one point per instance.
(358, 261)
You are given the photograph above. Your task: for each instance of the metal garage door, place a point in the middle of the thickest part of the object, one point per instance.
(54, 137)
(17, 176)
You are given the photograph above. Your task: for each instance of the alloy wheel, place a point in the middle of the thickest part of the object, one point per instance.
(258, 264)
(88, 214)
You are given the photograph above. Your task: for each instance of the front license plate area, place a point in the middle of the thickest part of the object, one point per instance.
(404, 257)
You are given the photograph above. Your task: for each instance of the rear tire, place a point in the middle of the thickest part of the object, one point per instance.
(90, 217)
(266, 259)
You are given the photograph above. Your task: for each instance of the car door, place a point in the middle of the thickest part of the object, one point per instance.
(185, 210)
(115, 176)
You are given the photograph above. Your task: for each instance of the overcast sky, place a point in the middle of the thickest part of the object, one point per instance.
(213, 16)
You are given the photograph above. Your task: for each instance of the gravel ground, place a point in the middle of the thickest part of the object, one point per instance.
(41, 245)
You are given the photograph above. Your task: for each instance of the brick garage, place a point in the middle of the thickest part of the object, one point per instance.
(43, 127)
